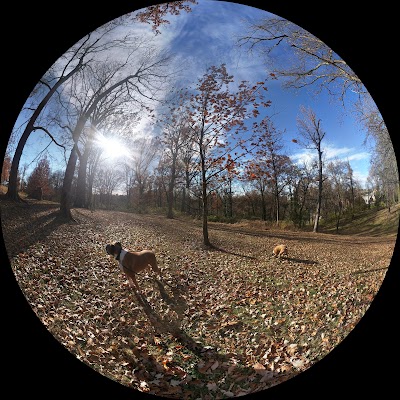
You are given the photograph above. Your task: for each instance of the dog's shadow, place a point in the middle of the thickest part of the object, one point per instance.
(177, 302)
(165, 325)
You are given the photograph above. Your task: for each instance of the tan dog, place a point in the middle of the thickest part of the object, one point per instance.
(131, 262)
(280, 250)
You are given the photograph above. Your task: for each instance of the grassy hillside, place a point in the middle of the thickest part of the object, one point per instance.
(368, 223)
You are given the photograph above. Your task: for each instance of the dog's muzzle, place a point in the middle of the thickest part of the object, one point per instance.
(114, 249)
(109, 249)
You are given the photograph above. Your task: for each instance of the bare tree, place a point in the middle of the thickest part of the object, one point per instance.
(106, 181)
(128, 176)
(312, 134)
(142, 162)
(303, 59)
(56, 183)
(175, 137)
(301, 179)
(117, 114)
(383, 161)
(351, 184)
(258, 176)
(190, 173)
(277, 164)
(139, 77)
(75, 60)
(337, 175)
(5, 170)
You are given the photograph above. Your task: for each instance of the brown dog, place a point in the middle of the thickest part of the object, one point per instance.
(280, 250)
(131, 262)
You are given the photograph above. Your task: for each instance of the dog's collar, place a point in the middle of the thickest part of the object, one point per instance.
(121, 256)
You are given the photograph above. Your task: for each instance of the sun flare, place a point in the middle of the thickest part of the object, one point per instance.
(111, 147)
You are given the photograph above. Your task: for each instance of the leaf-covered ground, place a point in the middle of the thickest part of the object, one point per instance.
(223, 322)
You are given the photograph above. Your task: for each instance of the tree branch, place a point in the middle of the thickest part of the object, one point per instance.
(49, 134)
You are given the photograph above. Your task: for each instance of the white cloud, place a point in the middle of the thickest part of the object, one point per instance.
(363, 155)
(360, 177)
(303, 157)
(330, 153)
(358, 159)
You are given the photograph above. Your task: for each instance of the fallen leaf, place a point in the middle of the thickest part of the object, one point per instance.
(259, 368)
(144, 386)
(157, 340)
(227, 393)
(215, 365)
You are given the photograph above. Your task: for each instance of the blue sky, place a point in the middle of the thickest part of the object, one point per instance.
(207, 36)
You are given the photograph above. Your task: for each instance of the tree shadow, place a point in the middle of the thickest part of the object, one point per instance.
(209, 355)
(213, 247)
(304, 236)
(367, 271)
(172, 326)
(25, 224)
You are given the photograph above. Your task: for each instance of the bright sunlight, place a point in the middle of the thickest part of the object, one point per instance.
(112, 147)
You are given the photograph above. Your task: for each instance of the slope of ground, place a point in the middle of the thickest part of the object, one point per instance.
(223, 322)
(371, 222)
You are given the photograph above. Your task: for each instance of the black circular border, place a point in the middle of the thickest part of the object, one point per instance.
(33, 36)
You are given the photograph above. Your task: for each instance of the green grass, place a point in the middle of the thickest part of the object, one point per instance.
(370, 222)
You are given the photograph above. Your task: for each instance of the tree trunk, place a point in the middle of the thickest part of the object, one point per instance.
(66, 192)
(230, 200)
(80, 200)
(186, 194)
(318, 213)
(183, 202)
(277, 203)
(206, 240)
(338, 221)
(170, 198)
(89, 199)
(263, 206)
(170, 194)
(92, 172)
(12, 192)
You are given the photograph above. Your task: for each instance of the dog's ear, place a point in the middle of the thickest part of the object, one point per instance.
(118, 244)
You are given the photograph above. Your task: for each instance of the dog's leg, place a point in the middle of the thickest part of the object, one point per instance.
(133, 282)
(154, 266)
(158, 270)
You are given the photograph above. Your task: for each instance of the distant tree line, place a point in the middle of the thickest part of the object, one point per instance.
(250, 193)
